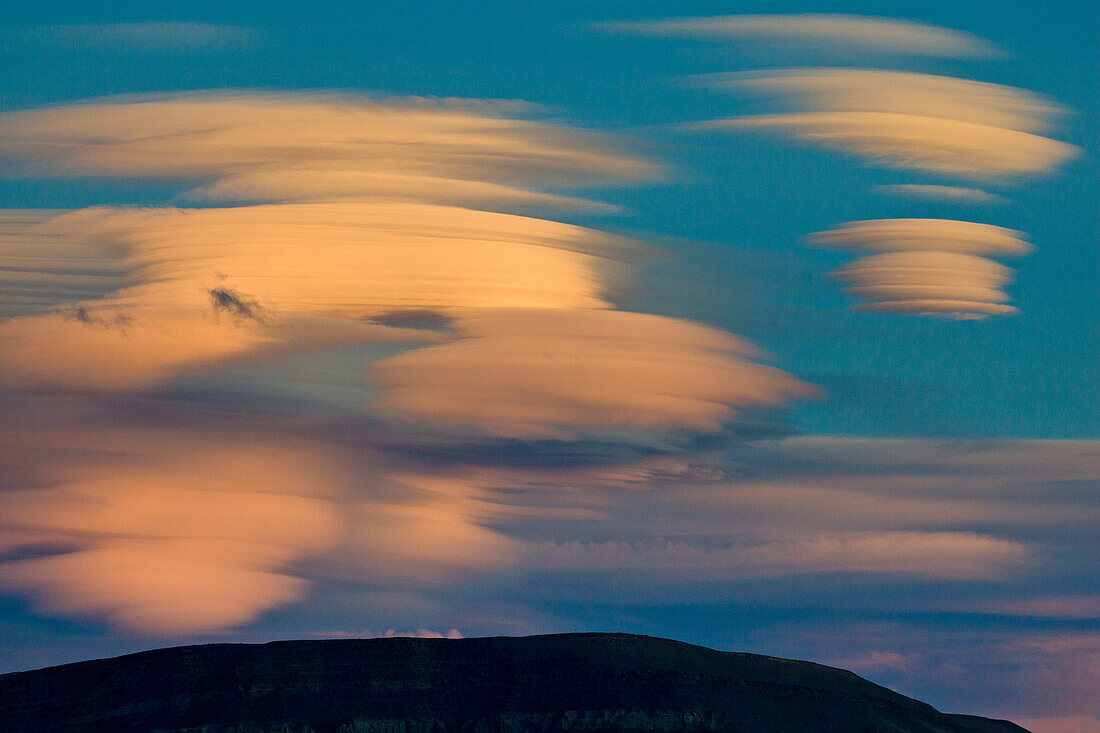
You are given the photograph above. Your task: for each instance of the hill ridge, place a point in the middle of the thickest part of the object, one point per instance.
(601, 681)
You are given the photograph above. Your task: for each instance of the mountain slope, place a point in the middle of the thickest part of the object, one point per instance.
(580, 682)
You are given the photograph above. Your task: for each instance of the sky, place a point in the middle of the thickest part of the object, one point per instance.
(770, 327)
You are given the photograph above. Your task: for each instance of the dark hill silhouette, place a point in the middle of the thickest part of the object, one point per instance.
(537, 684)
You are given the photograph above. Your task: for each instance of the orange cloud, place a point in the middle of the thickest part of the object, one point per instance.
(305, 147)
(351, 259)
(38, 270)
(380, 238)
(549, 374)
(111, 347)
(160, 541)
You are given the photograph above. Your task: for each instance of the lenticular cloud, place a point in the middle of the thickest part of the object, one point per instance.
(927, 266)
(301, 222)
(934, 124)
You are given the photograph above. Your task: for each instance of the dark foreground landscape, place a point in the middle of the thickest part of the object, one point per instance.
(565, 682)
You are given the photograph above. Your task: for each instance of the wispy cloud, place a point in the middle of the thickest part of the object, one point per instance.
(823, 31)
(146, 37)
(959, 194)
(934, 554)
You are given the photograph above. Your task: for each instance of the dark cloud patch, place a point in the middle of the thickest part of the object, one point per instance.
(413, 318)
(230, 301)
(84, 315)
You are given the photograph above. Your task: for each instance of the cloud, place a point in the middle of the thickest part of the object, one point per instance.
(958, 555)
(927, 266)
(907, 120)
(959, 194)
(39, 270)
(352, 259)
(425, 634)
(147, 37)
(112, 347)
(924, 235)
(164, 531)
(930, 144)
(550, 374)
(1086, 723)
(897, 92)
(823, 31)
(895, 517)
(314, 147)
(929, 283)
(392, 227)
(160, 521)
(197, 293)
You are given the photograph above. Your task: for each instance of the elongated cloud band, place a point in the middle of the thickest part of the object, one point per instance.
(146, 37)
(907, 120)
(303, 147)
(934, 235)
(824, 31)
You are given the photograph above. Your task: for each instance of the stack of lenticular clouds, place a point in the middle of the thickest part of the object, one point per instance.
(303, 221)
(341, 220)
(927, 266)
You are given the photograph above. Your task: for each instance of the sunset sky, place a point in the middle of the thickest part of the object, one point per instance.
(771, 327)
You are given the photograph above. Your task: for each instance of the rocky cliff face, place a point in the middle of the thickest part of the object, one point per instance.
(568, 682)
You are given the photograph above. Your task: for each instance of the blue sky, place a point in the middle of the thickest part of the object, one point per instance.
(951, 462)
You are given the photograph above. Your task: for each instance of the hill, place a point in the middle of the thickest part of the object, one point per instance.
(537, 684)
